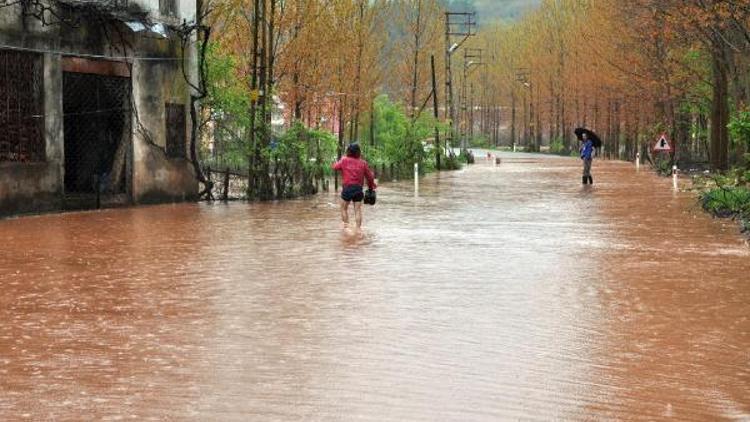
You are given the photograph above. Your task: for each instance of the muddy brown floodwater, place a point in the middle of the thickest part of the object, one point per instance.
(496, 293)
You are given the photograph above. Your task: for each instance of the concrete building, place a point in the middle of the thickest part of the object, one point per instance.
(94, 103)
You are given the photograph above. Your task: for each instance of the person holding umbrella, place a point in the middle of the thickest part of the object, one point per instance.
(589, 141)
(587, 155)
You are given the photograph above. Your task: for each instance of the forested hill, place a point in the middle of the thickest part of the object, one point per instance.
(493, 10)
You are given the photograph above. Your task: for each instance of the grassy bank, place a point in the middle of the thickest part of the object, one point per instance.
(726, 196)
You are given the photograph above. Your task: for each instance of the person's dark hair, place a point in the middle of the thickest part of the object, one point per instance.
(353, 151)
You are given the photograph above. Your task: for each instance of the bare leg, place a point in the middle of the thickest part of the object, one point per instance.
(358, 214)
(345, 211)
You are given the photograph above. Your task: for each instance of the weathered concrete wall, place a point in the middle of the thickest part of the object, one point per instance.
(30, 33)
(156, 177)
(35, 187)
(26, 188)
(186, 8)
(153, 177)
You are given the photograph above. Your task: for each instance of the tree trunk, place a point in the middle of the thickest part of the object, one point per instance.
(415, 70)
(438, 151)
(255, 153)
(719, 111)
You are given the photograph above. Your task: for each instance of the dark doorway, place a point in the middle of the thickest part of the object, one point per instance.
(97, 123)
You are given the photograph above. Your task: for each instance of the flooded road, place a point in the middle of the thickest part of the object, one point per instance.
(496, 293)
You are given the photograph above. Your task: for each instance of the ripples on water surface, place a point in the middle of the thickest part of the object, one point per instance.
(497, 293)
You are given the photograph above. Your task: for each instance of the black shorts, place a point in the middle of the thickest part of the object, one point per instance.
(352, 193)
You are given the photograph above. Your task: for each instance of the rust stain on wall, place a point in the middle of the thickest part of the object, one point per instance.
(96, 67)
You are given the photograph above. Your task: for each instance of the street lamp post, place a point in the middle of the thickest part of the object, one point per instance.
(472, 59)
(456, 25)
(523, 76)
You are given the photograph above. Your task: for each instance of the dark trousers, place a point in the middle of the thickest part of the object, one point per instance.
(587, 167)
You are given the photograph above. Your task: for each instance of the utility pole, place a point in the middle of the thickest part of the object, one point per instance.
(461, 25)
(472, 57)
(438, 153)
(471, 111)
(538, 125)
(523, 76)
(513, 118)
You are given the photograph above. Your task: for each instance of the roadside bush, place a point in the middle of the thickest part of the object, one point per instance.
(398, 139)
(480, 142)
(557, 146)
(466, 157)
(739, 127)
(299, 157)
(727, 201)
(451, 163)
(663, 166)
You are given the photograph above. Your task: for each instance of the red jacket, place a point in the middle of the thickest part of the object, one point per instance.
(355, 171)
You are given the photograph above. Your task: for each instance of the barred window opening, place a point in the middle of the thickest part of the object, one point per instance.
(21, 107)
(175, 130)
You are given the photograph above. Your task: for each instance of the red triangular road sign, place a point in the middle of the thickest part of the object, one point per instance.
(663, 144)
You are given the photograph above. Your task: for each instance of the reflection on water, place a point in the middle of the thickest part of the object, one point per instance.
(496, 293)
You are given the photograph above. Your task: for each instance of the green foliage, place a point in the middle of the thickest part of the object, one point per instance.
(728, 195)
(480, 141)
(229, 102)
(466, 157)
(226, 92)
(304, 151)
(557, 146)
(301, 154)
(699, 92)
(295, 159)
(727, 201)
(739, 126)
(743, 176)
(398, 139)
(451, 162)
(663, 166)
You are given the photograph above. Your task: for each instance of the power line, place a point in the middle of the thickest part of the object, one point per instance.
(88, 56)
(84, 113)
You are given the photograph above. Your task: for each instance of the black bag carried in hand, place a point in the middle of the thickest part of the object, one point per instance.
(370, 197)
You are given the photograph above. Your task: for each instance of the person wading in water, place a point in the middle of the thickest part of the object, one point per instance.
(354, 171)
(587, 155)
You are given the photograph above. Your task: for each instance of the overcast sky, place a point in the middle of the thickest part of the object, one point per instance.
(489, 10)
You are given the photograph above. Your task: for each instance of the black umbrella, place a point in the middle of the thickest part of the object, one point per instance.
(591, 135)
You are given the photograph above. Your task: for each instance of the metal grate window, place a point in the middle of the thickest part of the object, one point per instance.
(97, 127)
(176, 128)
(168, 7)
(21, 107)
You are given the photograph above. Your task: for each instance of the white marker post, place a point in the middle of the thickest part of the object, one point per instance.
(416, 177)
(637, 161)
(674, 177)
